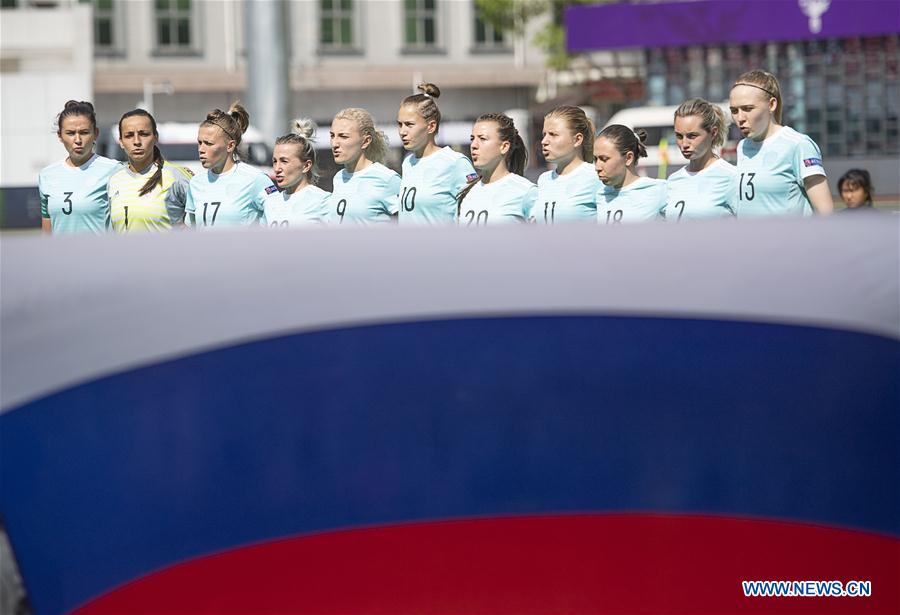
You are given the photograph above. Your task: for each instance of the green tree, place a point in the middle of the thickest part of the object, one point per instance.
(513, 15)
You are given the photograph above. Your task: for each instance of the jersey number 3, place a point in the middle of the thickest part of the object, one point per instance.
(67, 201)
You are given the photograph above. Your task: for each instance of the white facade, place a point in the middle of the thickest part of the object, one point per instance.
(376, 69)
(47, 59)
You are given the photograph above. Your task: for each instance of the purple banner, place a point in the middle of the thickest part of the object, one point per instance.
(676, 24)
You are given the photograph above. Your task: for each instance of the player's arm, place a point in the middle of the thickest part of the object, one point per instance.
(819, 194)
(46, 226)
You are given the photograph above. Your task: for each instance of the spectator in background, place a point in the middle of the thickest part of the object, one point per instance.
(855, 187)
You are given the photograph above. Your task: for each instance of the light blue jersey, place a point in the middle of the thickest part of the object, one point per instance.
(507, 200)
(366, 197)
(308, 206)
(74, 199)
(430, 185)
(567, 198)
(771, 174)
(642, 200)
(710, 193)
(234, 198)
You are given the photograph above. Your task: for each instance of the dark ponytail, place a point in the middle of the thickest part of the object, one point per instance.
(156, 178)
(516, 157)
(626, 140)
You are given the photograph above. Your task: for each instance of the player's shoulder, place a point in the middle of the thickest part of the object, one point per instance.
(379, 170)
(54, 168)
(107, 164)
(521, 182)
(723, 167)
(789, 134)
(120, 174)
(317, 193)
(451, 155)
(177, 172)
(248, 170)
(679, 175)
(546, 177)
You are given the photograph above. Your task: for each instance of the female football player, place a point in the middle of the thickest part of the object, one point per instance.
(230, 193)
(300, 202)
(365, 191)
(432, 176)
(149, 194)
(73, 191)
(625, 196)
(501, 194)
(567, 193)
(707, 186)
(780, 170)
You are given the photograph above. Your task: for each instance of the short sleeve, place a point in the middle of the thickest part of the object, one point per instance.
(807, 159)
(663, 197)
(392, 194)
(528, 201)
(584, 190)
(463, 173)
(176, 197)
(45, 212)
(732, 193)
(324, 209)
(262, 187)
(189, 199)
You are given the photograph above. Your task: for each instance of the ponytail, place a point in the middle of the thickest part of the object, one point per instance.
(516, 156)
(158, 175)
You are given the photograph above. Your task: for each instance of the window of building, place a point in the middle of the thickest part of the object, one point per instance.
(487, 37)
(337, 25)
(107, 29)
(420, 24)
(174, 25)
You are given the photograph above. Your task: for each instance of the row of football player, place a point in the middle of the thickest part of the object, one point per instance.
(779, 171)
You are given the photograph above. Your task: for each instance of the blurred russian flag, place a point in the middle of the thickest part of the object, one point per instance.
(523, 420)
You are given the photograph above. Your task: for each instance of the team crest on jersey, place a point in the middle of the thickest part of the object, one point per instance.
(271, 189)
(812, 162)
(471, 177)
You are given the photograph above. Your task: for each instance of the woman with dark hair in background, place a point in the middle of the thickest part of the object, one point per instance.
(501, 194)
(148, 194)
(73, 191)
(855, 187)
(625, 196)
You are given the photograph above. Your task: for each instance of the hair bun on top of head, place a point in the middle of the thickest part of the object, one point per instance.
(79, 105)
(304, 127)
(430, 90)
